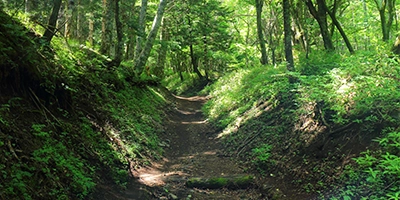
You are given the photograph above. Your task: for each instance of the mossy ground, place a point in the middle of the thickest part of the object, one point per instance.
(68, 122)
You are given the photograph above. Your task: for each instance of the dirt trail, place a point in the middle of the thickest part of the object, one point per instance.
(192, 150)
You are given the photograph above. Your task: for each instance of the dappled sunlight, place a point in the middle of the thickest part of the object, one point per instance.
(254, 112)
(226, 102)
(159, 173)
(345, 88)
(307, 125)
(154, 175)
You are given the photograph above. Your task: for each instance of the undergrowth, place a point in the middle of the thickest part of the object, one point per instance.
(306, 130)
(62, 148)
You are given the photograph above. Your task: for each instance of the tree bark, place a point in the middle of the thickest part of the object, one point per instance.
(288, 35)
(141, 28)
(91, 26)
(320, 16)
(118, 50)
(340, 29)
(106, 26)
(162, 52)
(140, 62)
(193, 58)
(195, 62)
(51, 27)
(386, 21)
(264, 57)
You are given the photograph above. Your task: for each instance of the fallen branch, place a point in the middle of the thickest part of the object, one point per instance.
(231, 182)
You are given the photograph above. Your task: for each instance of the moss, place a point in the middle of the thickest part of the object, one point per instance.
(239, 181)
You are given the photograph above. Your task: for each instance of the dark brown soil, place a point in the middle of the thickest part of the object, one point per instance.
(192, 149)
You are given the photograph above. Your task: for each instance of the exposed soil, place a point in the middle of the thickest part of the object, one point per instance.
(192, 149)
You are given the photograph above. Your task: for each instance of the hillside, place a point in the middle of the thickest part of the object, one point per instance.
(332, 134)
(211, 100)
(69, 125)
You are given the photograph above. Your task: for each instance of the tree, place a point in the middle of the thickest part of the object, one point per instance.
(338, 26)
(287, 35)
(141, 28)
(141, 60)
(118, 27)
(162, 52)
(261, 40)
(106, 27)
(386, 19)
(51, 27)
(321, 16)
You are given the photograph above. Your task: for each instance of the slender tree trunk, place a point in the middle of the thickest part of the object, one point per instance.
(340, 29)
(162, 53)
(261, 40)
(140, 62)
(51, 27)
(91, 26)
(385, 36)
(118, 25)
(195, 62)
(69, 18)
(386, 21)
(193, 57)
(106, 26)
(78, 21)
(141, 28)
(130, 34)
(288, 35)
(320, 16)
(391, 14)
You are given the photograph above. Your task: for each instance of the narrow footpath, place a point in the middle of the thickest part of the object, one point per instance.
(192, 149)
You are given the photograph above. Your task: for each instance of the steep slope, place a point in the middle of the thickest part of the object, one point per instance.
(69, 124)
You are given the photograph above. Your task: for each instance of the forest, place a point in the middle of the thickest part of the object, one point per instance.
(200, 99)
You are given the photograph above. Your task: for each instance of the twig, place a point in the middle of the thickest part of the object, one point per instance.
(12, 149)
(44, 107)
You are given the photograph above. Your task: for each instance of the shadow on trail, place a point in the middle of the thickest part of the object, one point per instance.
(191, 150)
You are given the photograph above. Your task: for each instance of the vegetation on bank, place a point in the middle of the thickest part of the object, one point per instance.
(339, 123)
(68, 122)
(71, 119)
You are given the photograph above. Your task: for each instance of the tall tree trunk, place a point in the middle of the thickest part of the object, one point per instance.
(288, 35)
(51, 27)
(162, 52)
(261, 40)
(141, 28)
(106, 26)
(91, 26)
(118, 26)
(68, 18)
(320, 16)
(140, 62)
(195, 62)
(193, 57)
(391, 14)
(340, 29)
(386, 21)
(130, 44)
(79, 21)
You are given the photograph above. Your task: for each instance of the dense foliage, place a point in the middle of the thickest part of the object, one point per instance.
(65, 149)
(339, 107)
(80, 101)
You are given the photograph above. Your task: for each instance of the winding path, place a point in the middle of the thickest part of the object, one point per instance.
(192, 150)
